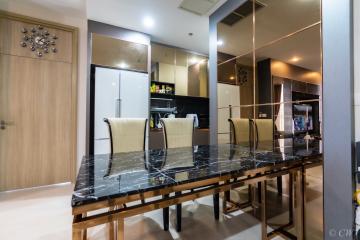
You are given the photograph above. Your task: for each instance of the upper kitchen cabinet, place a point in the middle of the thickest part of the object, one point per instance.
(113, 52)
(188, 71)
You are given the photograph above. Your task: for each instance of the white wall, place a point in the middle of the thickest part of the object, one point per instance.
(357, 67)
(68, 12)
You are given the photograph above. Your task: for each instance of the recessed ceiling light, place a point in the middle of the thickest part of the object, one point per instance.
(123, 65)
(148, 22)
(232, 78)
(190, 34)
(220, 42)
(295, 59)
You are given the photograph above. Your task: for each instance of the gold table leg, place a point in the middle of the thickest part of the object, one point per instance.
(263, 211)
(84, 231)
(120, 229)
(299, 205)
(76, 234)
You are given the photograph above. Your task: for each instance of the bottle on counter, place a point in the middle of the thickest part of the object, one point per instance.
(152, 122)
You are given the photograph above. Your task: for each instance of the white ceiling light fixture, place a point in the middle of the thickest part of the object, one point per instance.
(148, 22)
(220, 42)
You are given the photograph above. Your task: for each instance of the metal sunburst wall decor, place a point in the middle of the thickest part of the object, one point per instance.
(39, 40)
(243, 75)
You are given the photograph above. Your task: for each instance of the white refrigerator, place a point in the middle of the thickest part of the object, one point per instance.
(118, 93)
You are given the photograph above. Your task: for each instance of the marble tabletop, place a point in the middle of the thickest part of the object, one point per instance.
(104, 176)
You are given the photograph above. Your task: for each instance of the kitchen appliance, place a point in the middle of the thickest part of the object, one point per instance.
(118, 93)
(195, 117)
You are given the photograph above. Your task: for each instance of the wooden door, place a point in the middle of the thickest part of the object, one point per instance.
(37, 99)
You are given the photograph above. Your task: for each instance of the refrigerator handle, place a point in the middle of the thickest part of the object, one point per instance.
(117, 107)
(119, 99)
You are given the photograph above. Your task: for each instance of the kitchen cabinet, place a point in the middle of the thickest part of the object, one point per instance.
(188, 71)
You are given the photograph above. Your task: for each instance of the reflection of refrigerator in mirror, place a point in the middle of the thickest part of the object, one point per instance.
(118, 93)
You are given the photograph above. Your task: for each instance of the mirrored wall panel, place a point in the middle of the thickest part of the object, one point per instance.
(112, 52)
(269, 70)
(270, 86)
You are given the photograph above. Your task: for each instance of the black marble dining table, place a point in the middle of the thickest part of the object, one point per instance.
(103, 177)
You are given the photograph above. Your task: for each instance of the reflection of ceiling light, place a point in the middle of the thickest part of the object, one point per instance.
(220, 42)
(232, 78)
(148, 22)
(193, 60)
(123, 65)
(295, 59)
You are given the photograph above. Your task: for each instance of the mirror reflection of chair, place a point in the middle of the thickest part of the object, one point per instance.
(179, 132)
(241, 130)
(264, 129)
(264, 136)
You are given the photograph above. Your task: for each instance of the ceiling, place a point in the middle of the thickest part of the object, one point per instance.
(277, 19)
(172, 24)
(69, 8)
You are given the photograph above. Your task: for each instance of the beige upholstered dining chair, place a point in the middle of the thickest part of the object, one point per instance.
(241, 134)
(240, 130)
(264, 129)
(126, 134)
(264, 137)
(178, 132)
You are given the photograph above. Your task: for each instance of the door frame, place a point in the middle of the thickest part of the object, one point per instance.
(74, 77)
(338, 97)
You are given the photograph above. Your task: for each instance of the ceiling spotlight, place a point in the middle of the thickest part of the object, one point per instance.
(232, 78)
(295, 59)
(220, 42)
(148, 22)
(190, 34)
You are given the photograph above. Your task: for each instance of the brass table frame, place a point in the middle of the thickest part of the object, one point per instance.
(116, 209)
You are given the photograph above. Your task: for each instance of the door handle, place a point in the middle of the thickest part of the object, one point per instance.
(4, 124)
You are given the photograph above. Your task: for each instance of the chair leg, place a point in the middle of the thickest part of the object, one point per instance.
(216, 201)
(279, 185)
(166, 216)
(178, 215)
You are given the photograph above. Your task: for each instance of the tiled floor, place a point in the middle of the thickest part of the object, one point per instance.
(45, 213)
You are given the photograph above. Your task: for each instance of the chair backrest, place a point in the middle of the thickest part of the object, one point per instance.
(178, 132)
(127, 134)
(240, 130)
(265, 129)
